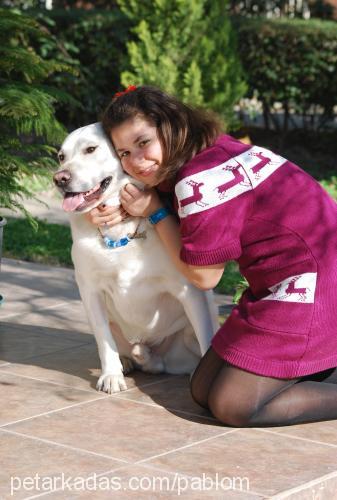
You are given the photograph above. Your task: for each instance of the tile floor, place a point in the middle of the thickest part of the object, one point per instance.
(62, 439)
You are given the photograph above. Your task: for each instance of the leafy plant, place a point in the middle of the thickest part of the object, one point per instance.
(291, 62)
(28, 127)
(186, 47)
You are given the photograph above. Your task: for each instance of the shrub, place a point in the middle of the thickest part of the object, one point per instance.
(187, 48)
(293, 62)
(28, 126)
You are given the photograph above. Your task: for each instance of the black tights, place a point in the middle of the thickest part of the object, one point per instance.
(243, 399)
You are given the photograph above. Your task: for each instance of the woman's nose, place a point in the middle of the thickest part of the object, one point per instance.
(136, 160)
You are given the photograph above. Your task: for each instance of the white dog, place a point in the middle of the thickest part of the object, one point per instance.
(142, 311)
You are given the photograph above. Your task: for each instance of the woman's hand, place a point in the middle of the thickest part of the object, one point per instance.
(105, 215)
(139, 203)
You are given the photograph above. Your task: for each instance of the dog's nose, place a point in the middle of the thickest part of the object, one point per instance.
(62, 178)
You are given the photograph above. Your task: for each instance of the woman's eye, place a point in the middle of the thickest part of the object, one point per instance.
(90, 149)
(61, 157)
(124, 154)
(142, 143)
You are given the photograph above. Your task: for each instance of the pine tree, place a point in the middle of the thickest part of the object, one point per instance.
(28, 127)
(187, 48)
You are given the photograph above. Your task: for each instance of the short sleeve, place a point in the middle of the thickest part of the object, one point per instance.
(213, 204)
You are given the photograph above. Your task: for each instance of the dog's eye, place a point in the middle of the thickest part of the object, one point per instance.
(90, 149)
(61, 156)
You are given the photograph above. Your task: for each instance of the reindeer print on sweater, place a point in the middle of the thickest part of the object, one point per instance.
(245, 203)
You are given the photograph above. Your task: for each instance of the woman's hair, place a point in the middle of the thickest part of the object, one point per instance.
(182, 131)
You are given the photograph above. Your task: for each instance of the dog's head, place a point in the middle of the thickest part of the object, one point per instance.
(90, 171)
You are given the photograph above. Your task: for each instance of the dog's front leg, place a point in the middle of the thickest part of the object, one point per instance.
(112, 378)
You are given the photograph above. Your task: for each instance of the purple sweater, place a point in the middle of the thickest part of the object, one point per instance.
(244, 203)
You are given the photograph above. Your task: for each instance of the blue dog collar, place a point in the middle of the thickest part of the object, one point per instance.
(122, 242)
(109, 243)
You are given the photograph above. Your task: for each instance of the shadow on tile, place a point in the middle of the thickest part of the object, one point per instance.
(71, 359)
(173, 395)
(68, 358)
(19, 341)
(58, 356)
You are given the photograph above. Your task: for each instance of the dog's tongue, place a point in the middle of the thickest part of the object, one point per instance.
(71, 201)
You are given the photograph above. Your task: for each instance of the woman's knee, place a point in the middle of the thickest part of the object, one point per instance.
(199, 392)
(203, 377)
(231, 412)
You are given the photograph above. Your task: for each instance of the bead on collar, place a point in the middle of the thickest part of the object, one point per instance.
(109, 243)
(122, 242)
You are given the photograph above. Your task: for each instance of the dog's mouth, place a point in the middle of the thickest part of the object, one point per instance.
(79, 201)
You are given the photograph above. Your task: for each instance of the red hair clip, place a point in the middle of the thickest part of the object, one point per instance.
(130, 88)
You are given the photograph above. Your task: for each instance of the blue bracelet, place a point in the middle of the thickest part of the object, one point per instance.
(158, 215)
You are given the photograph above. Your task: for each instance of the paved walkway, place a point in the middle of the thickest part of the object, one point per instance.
(49, 209)
(62, 439)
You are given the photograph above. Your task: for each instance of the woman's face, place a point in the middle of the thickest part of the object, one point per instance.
(137, 145)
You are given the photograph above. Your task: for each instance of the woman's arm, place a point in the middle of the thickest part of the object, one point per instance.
(144, 203)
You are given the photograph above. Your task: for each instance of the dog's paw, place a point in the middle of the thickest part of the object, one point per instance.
(111, 383)
(128, 364)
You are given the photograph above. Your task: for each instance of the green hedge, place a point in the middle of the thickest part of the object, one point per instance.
(293, 62)
(290, 61)
(202, 63)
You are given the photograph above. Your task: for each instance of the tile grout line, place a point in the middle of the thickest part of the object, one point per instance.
(68, 447)
(45, 381)
(297, 489)
(154, 405)
(296, 437)
(145, 385)
(34, 438)
(16, 315)
(56, 335)
(76, 345)
(186, 446)
(103, 397)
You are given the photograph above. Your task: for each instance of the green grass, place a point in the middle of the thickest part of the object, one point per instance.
(49, 244)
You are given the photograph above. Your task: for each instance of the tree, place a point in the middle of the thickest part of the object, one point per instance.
(28, 127)
(187, 48)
